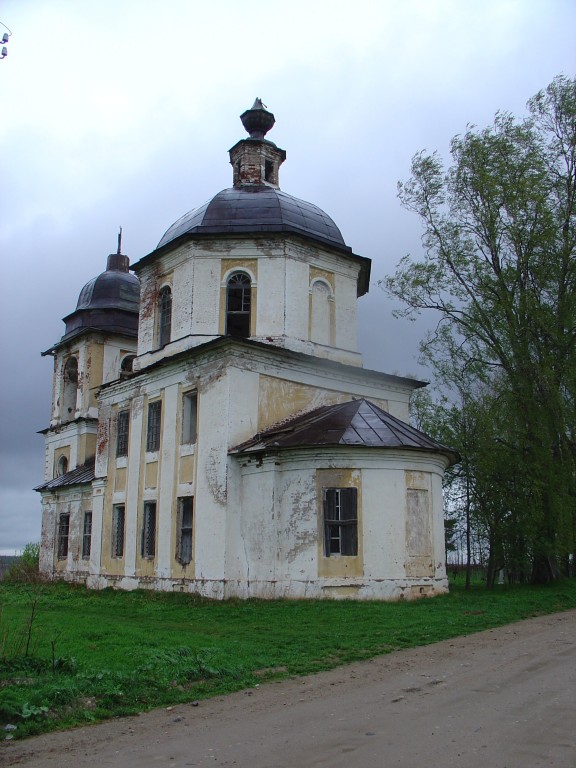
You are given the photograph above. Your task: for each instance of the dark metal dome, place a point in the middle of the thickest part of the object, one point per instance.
(256, 209)
(115, 288)
(109, 302)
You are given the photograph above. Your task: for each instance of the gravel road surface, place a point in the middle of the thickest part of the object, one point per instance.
(503, 698)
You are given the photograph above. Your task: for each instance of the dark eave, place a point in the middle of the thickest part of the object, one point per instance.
(124, 333)
(78, 476)
(357, 423)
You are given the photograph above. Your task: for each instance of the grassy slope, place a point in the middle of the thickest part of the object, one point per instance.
(117, 652)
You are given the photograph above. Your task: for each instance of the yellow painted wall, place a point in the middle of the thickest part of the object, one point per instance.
(279, 400)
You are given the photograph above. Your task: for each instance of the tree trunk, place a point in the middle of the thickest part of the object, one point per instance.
(544, 570)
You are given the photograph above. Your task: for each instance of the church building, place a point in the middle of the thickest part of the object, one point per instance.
(213, 430)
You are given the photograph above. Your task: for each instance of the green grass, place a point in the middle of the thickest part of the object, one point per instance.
(98, 654)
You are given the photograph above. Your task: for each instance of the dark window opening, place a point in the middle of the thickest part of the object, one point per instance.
(87, 536)
(149, 530)
(154, 423)
(165, 319)
(269, 171)
(189, 418)
(63, 533)
(118, 515)
(122, 428)
(340, 521)
(184, 540)
(126, 365)
(238, 305)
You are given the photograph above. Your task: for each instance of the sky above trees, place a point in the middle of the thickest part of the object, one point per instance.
(121, 113)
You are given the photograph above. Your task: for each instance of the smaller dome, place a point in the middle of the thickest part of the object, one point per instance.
(109, 302)
(116, 288)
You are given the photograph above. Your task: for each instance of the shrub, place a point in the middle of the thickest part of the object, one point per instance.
(26, 570)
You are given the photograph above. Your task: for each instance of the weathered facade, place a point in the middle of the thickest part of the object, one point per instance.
(213, 429)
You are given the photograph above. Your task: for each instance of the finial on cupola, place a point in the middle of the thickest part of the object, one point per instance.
(116, 261)
(257, 120)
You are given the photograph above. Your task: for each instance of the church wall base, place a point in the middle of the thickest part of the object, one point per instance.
(319, 589)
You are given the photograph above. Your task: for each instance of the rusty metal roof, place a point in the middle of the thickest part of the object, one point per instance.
(78, 476)
(354, 423)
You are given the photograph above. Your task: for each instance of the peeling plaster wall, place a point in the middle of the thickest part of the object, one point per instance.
(282, 270)
(280, 528)
(73, 501)
(257, 529)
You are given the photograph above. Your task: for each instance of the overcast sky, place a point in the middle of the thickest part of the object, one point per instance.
(121, 112)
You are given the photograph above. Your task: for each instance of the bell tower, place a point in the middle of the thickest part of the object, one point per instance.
(98, 346)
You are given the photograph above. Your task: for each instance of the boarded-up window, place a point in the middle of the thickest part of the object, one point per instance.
(63, 533)
(417, 522)
(189, 417)
(69, 389)
(340, 521)
(87, 536)
(122, 428)
(184, 541)
(153, 428)
(320, 314)
(149, 530)
(118, 515)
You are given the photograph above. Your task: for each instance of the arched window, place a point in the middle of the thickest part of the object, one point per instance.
(69, 389)
(238, 301)
(126, 365)
(165, 316)
(61, 466)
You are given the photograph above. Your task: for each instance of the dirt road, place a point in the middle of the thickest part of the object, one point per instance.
(504, 698)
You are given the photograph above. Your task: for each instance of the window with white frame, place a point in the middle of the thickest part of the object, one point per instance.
(153, 426)
(189, 418)
(148, 547)
(184, 530)
(63, 533)
(340, 521)
(87, 535)
(118, 518)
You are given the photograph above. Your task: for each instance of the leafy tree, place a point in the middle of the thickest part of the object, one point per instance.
(500, 270)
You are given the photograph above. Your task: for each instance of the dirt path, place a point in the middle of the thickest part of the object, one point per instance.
(504, 698)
